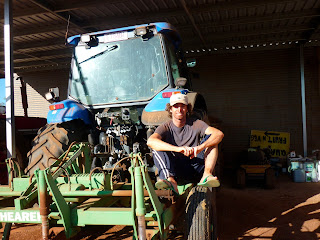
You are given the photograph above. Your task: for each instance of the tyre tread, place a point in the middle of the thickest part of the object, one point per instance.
(52, 141)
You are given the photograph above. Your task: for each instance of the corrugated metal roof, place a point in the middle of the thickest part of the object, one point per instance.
(206, 26)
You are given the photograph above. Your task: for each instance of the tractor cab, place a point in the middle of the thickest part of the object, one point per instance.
(125, 66)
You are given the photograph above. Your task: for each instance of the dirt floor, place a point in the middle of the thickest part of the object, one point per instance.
(291, 211)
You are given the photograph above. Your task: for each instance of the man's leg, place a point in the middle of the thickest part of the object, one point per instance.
(164, 163)
(210, 158)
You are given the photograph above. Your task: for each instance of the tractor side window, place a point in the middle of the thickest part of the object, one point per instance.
(174, 62)
(177, 64)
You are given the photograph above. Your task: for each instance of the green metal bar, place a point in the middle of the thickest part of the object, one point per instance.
(75, 167)
(4, 188)
(104, 193)
(62, 206)
(133, 202)
(28, 195)
(21, 183)
(97, 180)
(157, 205)
(102, 216)
(10, 194)
(74, 153)
(23, 201)
(95, 193)
(140, 209)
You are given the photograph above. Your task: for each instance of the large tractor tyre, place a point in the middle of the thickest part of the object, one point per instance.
(241, 178)
(53, 140)
(270, 178)
(200, 215)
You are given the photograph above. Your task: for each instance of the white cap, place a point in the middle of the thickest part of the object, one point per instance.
(178, 98)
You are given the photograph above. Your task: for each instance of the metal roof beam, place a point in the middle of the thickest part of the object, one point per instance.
(23, 46)
(253, 40)
(256, 19)
(59, 7)
(257, 32)
(39, 63)
(45, 60)
(196, 28)
(63, 16)
(315, 24)
(67, 6)
(124, 20)
(18, 55)
(61, 66)
(44, 7)
(38, 30)
(204, 7)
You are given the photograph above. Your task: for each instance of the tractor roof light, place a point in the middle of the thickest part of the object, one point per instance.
(85, 38)
(140, 31)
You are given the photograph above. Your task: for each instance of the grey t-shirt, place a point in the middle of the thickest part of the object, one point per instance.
(188, 135)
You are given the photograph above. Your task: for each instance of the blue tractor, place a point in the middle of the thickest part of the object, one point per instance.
(119, 84)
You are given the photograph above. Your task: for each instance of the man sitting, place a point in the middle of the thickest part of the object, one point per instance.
(177, 151)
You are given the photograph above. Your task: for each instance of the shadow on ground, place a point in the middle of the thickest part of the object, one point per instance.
(290, 211)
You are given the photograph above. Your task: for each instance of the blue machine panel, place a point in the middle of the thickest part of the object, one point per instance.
(72, 110)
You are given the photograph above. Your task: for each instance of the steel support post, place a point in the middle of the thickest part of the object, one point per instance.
(303, 103)
(8, 57)
(44, 205)
(6, 231)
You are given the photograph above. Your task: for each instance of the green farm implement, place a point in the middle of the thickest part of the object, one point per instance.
(68, 193)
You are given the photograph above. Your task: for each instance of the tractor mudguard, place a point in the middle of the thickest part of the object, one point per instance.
(68, 110)
(155, 112)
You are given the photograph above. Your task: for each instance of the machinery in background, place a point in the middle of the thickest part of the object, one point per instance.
(256, 165)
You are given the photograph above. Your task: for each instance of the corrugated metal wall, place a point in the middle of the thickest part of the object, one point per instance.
(37, 84)
(259, 90)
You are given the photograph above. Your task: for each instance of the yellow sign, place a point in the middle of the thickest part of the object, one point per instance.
(279, 142)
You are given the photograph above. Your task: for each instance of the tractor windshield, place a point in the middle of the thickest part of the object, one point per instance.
(123, 71)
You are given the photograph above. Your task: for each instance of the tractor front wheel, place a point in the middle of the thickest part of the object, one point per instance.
(200, 214)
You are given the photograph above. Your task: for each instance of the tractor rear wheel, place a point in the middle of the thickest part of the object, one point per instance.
(52, 141)
(200, 214)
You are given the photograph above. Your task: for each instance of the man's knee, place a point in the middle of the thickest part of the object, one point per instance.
(211, 151)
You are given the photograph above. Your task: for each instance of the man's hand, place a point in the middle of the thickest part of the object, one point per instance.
(195, 152)
(187, 151)
(190, 151)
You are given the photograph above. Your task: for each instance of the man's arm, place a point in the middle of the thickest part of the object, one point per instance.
(215, 138)
(155, 142)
